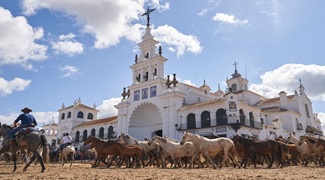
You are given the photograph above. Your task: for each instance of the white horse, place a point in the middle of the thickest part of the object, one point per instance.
(68, 150)
(302, 147)
(175, 150)
(314, 150)
(212, 147)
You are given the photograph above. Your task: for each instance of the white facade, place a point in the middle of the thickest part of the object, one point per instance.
(156, 104)
(80, 121)
(50, 132)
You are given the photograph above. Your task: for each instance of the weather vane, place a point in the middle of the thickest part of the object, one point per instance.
(147, 13)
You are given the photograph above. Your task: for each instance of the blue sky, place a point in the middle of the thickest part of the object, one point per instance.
(54, 52)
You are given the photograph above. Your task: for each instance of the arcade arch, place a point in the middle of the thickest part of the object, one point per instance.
(145, 121)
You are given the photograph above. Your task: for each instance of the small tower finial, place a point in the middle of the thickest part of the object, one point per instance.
(160, 51)
(124, 94)
(174, 82)
(168, 83)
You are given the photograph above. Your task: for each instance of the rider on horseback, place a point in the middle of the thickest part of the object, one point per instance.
(66, 140)
(27, 120)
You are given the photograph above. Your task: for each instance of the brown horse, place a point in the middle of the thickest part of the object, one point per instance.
(129, 151)
(103, 149)
(252, 148)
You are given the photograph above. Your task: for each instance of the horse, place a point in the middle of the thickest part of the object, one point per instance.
(54, 154)
(260, 147)
(212, 147)
(32, 140)
(87, 153)
(315, 150)
(67, 150)
(103, 149)
(176, 150)
(129, 151)
(302, 147)
(151, 151)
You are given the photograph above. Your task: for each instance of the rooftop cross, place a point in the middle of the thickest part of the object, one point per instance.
(147, 13)
(235, 64)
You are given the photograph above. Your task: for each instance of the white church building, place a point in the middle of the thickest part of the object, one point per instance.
(157, 104)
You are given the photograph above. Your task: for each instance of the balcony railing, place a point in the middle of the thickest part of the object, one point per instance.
(247, 123)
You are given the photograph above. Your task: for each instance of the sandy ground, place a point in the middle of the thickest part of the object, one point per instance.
(84, 171)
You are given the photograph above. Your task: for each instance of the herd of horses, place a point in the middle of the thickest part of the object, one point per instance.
(192, 151)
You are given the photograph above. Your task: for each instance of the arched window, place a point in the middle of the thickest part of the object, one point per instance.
(93, 132)
(101, 133)
(242, 116)
(307, 110)
(110, 132)
(80, 114)
(205, 119)
(63, 116)
(191, 122)
(90, 116)
(221, 117)
(84, 135)
(69, 114)
(77, 136)
(251, 119)
(233, 87)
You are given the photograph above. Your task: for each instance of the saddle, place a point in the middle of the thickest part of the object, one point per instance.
(67, 144)
(24, 131)
(27, 130)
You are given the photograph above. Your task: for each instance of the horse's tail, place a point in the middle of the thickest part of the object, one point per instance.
(280, 153)
(45, 153)
(235, 154)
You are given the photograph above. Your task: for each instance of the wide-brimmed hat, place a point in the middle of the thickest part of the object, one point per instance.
(26, 109)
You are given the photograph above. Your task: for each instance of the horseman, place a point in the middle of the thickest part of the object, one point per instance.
(27, 120)
(66, 140)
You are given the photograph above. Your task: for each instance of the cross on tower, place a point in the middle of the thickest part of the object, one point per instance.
(147, 13)
(235, 64)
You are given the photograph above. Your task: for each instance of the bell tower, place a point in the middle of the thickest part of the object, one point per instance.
(150, 64)
(237, 82)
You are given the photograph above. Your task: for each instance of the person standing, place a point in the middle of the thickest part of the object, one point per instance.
(27, 120)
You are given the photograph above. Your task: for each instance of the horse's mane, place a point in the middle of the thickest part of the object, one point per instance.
(7, 126)
(160, 139)
(311, 139)
(170, 139)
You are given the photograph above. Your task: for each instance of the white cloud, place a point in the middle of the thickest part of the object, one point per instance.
(17, 84)
(17, 45)
(176, 40)
(42, 118)
(230, 19)
(107, 21)
(67, 45)
(321, 117)
(203, 12)
(69, 71)
(286, 78)
(107, 109)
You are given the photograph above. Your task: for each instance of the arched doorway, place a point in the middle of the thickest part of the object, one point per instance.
(145, 121)
(157, 133)
(205, 119)
(221, 117)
